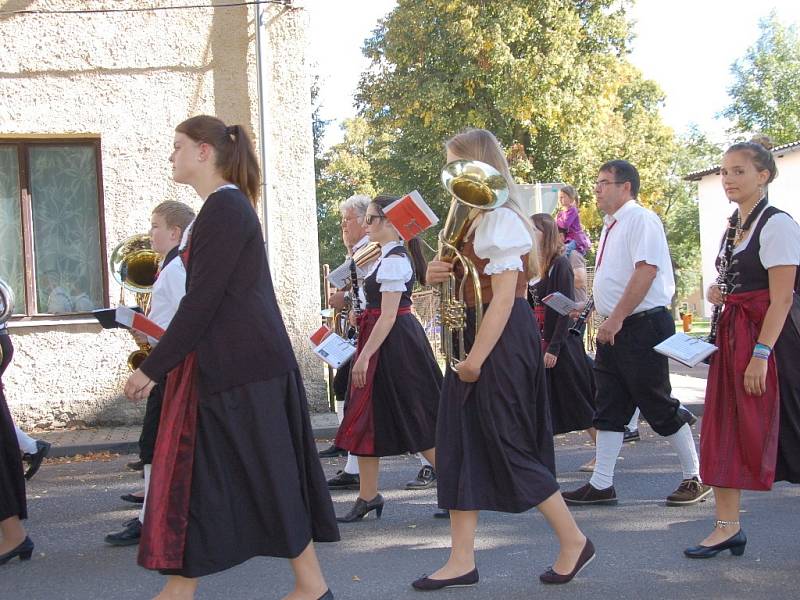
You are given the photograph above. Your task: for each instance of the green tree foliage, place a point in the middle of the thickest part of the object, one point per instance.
(548, 77)
(766, 88)
(681, 215)
(343, 170)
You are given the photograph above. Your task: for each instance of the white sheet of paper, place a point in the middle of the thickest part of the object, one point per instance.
(560, 303)
(335, 350)
(685, 349)
(340, 276)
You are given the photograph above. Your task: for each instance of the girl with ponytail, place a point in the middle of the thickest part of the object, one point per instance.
(395, 380)
(235, 471)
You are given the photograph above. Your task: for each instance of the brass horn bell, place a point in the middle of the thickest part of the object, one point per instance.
(475, 187)
(134, 265)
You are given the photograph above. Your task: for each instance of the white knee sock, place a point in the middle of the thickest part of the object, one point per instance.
(609, 443)
(423, 460)
(683, 443)
(633, 425)
(25, 442)
(340, 410)
(351, 468)
(147, 469)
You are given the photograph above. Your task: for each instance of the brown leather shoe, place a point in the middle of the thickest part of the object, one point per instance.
(690, 491)
(589, 494)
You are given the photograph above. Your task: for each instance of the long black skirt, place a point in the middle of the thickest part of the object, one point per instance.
(494, 438)
(570, 384)
(12, 481)
(258, 488)
(787, 351)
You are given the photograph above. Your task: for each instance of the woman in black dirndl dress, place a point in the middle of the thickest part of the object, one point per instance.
(13, 507)
(235, 469)
(570, 381)
(395, 380)
(494, 438)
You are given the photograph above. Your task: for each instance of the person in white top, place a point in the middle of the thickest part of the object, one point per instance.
(168, 223)
(633, 285)
(494, 438)
(354, 236)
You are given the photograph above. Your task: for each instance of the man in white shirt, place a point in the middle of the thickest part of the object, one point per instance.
(633, 285)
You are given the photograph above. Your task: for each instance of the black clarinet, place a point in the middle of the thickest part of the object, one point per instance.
(355, 299)
(722, 277)
(580, 323)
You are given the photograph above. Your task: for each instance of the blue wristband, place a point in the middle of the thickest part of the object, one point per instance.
(762, 351)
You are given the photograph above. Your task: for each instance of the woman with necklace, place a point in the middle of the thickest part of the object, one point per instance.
(750, 435)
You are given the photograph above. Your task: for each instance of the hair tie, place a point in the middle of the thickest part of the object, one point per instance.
(231, 130)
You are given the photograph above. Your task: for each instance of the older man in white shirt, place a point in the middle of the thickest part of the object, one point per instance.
(633, 285)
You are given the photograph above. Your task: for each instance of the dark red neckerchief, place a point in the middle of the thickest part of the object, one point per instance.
(164, 531)
(739, 437)
(357, 431)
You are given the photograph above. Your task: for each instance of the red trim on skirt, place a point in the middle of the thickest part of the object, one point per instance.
(164, 532)
(739, 435)
(357, 431)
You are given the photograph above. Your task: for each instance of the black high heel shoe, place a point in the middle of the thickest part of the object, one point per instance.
(24, 551)
(362, 508)
(735, 544)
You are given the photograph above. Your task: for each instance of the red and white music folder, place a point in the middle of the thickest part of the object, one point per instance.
(410, 215)
(136, 320)
(330, 347)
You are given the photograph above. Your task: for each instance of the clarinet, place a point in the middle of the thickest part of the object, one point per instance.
(722, 278)
(355, 299)
(580, 323)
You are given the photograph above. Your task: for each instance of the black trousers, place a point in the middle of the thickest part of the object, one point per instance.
(631, 374)
(152, 416)
(341, 381)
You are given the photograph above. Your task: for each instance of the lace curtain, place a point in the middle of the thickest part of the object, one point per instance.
(12, 269)
(66, 227)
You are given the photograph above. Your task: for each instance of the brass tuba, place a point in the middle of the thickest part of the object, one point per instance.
(475, 187)
(6, 302)
(134, 264)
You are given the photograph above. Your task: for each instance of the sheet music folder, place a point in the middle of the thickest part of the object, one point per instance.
(685, 349)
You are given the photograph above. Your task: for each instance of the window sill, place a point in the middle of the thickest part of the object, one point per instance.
(52, 322)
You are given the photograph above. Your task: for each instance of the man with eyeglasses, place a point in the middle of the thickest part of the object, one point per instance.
(633, 285)
(354, 235)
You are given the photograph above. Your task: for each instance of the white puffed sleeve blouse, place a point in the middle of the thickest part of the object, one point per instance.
(393, 272)
(502, 238)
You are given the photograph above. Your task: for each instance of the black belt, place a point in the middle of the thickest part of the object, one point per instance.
(645, 313)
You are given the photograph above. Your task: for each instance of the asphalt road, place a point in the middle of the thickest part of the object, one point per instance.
(74, 504)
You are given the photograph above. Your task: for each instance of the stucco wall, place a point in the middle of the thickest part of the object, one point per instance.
(715, 209)
(129, 78)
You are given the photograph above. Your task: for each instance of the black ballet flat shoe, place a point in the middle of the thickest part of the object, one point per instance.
(24, 551)
(326, 596)
(133, 499)
(35, 460)
(362, 508)
(735, 544)
(426, 584)
(587, 556)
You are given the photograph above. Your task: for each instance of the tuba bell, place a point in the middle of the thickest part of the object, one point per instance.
(134, 265)
(6, 302)
(475, 188)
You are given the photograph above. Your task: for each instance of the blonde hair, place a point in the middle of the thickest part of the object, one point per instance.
(482, 145)
(176, 214)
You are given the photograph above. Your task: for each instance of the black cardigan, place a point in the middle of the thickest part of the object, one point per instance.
(560, 278)
(229, 314)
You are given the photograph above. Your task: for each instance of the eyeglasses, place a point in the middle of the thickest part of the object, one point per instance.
(345, 220)
(603, 183)
(368, 219)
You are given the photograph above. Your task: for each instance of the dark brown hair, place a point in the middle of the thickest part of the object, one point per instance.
(414, 245)
(759, 150)
(236, 158)
(176, 214)
(551, 246)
